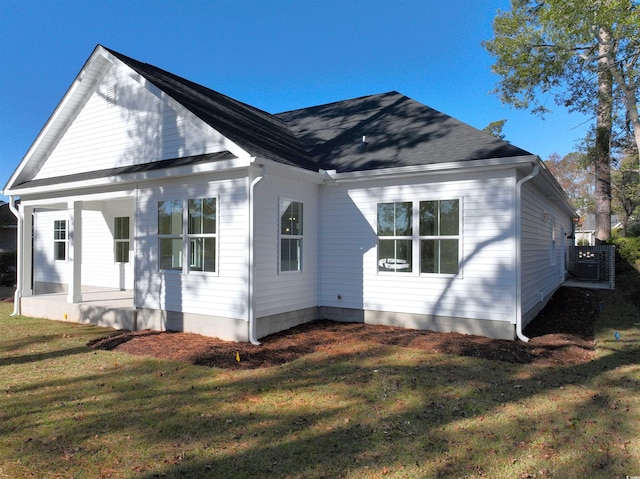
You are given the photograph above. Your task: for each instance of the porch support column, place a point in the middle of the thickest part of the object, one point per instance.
(75, 252)
(25, 249)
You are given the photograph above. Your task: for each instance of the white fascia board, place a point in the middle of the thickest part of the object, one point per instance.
(288, 170)
(495, 163)
(66, 110)
(130, 178)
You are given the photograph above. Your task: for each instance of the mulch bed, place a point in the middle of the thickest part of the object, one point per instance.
(562, 334)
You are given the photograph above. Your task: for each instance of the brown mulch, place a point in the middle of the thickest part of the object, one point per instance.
(562, 334)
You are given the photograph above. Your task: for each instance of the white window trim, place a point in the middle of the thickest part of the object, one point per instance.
(119, 240)
(186, 263)
(294, 237)
(442, 237)
(65, 241)
(186, 239)
(416, 237)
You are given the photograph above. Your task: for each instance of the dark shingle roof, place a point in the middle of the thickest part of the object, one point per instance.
(398, 131)
(254, 130)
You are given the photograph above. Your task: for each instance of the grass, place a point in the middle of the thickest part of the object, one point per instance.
(364, 411)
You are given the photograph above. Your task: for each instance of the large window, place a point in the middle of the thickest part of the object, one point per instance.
(60, 240)
(436, 240)
(290, 235)
(121, 236)
(395, 233)
(200, 216)
(439, 236)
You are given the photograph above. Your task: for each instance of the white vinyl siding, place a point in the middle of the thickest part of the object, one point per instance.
(291, 291)
(483, 290)
(542, 247)
(137, 127)
(223, 294)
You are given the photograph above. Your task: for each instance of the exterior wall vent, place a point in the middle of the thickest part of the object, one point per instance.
(111, 95)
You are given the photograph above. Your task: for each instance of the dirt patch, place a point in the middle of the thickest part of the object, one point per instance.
(561, 334)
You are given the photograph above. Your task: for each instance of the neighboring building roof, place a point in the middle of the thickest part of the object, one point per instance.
(589, 223)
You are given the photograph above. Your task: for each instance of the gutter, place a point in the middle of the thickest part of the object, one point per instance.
(251, 269)
(530, 176)
(19, 265)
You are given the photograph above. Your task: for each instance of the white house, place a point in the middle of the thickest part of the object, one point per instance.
(218, 218)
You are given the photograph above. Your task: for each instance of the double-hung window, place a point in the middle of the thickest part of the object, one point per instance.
(192, 223)
(434, 242)
(290, 235)
(395, 237)
(60, 240)
(202, 234)
(121, 236)
(170, 234)
(439, 236)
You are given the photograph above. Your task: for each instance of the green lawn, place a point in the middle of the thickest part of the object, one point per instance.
(365, 411)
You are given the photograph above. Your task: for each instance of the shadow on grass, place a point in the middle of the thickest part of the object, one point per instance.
(363, 410)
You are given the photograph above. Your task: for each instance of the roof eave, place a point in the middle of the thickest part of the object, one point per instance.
(404, 171)
(132, 178)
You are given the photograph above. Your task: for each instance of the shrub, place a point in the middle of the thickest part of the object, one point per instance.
(629, 249)
(8, 269)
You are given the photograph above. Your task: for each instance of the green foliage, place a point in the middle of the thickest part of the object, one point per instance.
(634, 229)
(628, 249)
(550, 48)
(495, 129)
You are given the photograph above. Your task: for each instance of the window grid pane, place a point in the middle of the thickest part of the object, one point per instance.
(290, 254)
(170, 217)
(171, 253)
(60, 251)
(122, 252)
(202, 254)
(121, 228)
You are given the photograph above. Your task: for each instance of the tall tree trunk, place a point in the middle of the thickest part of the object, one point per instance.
(604, 124)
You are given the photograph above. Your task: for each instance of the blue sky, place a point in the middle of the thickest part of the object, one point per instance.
(277, 55)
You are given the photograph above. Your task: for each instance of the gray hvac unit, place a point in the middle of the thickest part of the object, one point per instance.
(588, 270)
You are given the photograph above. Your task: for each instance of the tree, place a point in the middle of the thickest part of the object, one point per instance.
(585, 55)
(495, 129)
(626, 190)
(576, 180)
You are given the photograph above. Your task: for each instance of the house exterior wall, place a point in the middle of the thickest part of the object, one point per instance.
(49, 275)
(212, 303)
(135, 127)
(544, 246)
(279, 292)
(483, 291)
(98, 257)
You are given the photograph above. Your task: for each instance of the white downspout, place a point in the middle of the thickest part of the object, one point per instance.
(533, 174)
(251, 272)
(19, 261)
